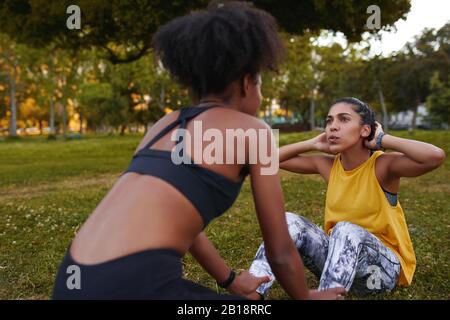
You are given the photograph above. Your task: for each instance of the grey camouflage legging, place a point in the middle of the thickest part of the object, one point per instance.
(351, 257)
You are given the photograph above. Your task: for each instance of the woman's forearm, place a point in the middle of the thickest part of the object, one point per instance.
(418, 151)
(292, 150)
(209, 258)
(290, 274)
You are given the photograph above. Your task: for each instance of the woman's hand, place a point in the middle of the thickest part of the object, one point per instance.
(329, 294)
(320, 143)
(245, 285)
(372, 144)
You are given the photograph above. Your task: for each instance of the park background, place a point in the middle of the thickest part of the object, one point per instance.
(74, 105)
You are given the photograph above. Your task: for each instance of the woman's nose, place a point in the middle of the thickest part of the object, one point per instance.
(333, 126)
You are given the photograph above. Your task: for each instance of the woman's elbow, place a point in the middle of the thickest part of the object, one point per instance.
(437, 157)
(278, 258)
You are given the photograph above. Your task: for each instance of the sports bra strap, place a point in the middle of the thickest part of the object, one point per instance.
(185, 115)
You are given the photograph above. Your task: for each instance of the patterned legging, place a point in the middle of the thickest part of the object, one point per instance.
(351, 257)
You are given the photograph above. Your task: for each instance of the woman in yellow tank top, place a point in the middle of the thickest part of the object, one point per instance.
(365, 245)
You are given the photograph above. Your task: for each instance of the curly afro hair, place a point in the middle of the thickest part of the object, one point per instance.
(207, 50)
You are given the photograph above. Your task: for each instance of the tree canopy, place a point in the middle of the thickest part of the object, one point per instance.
(123, 29)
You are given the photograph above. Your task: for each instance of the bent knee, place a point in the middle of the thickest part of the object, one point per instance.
(295, 221)
(345, 228)
(298, 225)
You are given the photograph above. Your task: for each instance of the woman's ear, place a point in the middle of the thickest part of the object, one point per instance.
(243, 86)
(365, 131)
(247, 80)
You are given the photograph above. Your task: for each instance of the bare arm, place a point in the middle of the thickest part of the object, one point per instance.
(209, 258)
(414, 158)
(292, 150)
(292, 160)
(281, 252)
(206, 254)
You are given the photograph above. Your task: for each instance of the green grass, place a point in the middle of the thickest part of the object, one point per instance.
(48, 188)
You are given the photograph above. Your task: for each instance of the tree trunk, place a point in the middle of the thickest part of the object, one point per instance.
(52, 103)
(414, 118)
(63, 105)
(81, 123)
(385, 120)
(312, 112)
(12, 101)
(64, 120)
(52, 116)
(123, 127)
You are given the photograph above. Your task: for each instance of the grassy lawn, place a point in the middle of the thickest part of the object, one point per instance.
(48, 188)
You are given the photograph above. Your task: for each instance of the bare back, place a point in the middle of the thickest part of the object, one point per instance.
(143, 212)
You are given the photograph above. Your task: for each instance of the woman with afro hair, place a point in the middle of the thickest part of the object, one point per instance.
(131, 246)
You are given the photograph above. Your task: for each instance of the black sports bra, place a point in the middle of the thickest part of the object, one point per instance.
(211, 193)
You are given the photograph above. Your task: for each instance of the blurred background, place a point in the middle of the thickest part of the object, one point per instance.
(103, 77)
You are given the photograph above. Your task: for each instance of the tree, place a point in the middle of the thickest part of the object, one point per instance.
(298, 76)
(438, 102)
(348, 17)
(341, 74)
(410, 70)
(123, 95)
(123, 29)
(9, 59)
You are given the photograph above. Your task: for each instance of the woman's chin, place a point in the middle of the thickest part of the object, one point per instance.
(335, 149)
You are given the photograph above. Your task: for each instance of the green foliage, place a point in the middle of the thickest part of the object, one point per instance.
(438, 102)
(123, 29)
(97, 103)
(298, 76)
(410, 71)
(349, 17)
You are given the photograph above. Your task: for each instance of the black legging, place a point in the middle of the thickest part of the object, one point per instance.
(151, 274)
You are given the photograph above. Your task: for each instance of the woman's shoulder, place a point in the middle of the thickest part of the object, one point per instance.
(382, 165)
(384, 159)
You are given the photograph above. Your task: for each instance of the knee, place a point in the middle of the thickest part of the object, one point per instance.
(293, 218)
(347, 229)
(295, 224)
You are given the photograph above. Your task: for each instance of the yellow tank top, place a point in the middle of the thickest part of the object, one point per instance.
(357, 197)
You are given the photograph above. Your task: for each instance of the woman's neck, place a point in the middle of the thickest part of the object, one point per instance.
(354, 157)
(218, 100)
